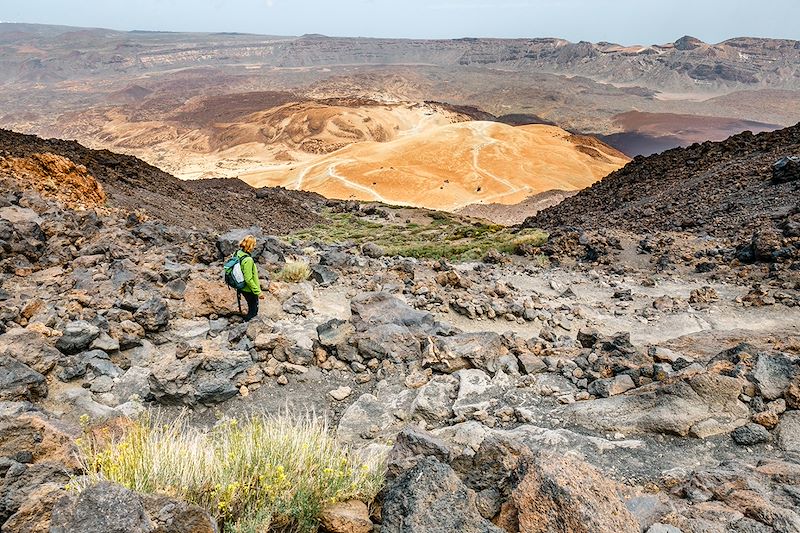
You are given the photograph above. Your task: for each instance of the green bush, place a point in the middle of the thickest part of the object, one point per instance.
(259, 474)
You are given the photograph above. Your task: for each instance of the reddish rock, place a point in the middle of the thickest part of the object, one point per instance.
(204, 298)
(346, 517)
(560, 493)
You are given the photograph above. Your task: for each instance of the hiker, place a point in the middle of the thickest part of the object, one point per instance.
(241, 273)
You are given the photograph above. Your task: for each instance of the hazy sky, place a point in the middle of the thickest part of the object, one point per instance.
(622, 21)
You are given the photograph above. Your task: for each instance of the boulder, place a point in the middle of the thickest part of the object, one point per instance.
(323, 275)
(588, 337)
(110, 508)
(371, 415)
(532, 364)
(127, 333)
(337, 259)
(153, 315)
(135, 382)
(560, 493)
(34, 514)
(489, 459)
(76, 366)
(786, 169)
(299, 303)
(611, 386)
(21, 480)
(83, 403)
(370, 249)
(431, 498)
(666, 407)
(106, 343)
(175, 289)
(773, 373)
(77, 337)
(31, 348)
(377, 308)
(465, 350)
(175, 516)
(40, 438)
(341, 393)
(334, 332)
(268, 246)
(750, 434)
(389, 341)
(410, 446)
(477, 392)
(205, 298)
(351, 516)
(768, 419)
(20, 382)
(434, 401)
(792, 394)
(788, 431)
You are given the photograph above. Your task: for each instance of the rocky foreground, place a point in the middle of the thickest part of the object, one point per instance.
(597, 388)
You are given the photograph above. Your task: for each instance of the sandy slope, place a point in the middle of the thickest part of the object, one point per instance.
(450, 166)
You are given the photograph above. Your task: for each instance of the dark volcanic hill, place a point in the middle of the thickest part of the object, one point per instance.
(719, 189)
(134, 185)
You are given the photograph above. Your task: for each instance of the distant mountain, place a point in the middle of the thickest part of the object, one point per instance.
(687, 62)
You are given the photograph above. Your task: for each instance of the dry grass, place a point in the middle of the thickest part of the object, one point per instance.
(264, 473)
(294, 272)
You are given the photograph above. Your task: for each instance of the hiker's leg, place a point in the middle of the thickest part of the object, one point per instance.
(252, 305)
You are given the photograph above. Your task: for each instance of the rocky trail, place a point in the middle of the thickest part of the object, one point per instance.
(585, 385)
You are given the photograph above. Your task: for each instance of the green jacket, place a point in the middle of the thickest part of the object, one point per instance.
(250, 271)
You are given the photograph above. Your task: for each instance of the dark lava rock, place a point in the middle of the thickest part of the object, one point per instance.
(101, 508)
(77, 336)
(21, 479)
(786, 169)
(750, 434)
(20, 382)
(430, 497)
(268, 247)
(153, 315)
(323, 275)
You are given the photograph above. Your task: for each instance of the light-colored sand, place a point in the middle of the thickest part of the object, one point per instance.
(448, 167)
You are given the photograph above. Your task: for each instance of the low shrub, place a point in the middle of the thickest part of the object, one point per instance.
(263, 473)
(294, 272)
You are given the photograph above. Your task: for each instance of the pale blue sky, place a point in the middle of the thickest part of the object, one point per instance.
(623, 21)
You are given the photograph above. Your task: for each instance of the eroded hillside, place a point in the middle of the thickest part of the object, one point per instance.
(448, 167)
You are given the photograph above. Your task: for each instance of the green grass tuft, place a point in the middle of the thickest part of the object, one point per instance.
(446, 236)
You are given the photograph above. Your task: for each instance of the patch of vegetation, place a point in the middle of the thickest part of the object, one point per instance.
(261, 474)
(446, 236)
(294, 272)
